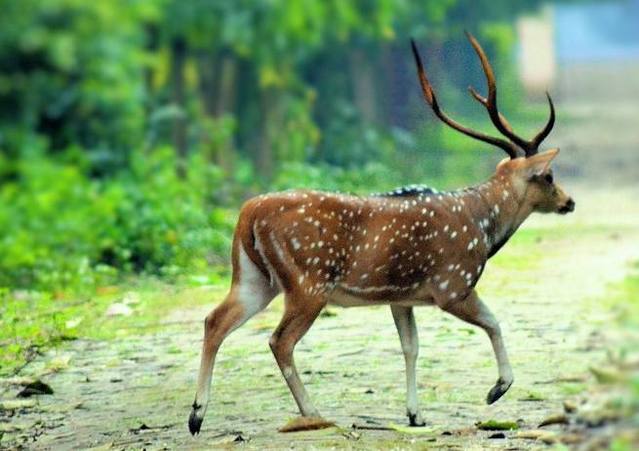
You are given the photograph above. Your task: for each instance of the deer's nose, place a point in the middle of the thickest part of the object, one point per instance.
(568, 207)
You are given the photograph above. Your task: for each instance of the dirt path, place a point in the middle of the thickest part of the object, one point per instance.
(136, 393)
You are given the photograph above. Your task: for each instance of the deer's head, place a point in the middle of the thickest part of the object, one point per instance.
(527, 170)
(533, 181)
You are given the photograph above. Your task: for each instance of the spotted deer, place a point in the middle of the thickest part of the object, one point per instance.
(410, 247)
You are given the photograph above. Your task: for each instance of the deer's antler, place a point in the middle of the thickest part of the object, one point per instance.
(515, 146)
(429, 95)
(500, 122)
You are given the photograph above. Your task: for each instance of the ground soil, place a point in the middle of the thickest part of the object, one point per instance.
(136, 392)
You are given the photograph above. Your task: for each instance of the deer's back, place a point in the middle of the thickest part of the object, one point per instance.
(366, 248)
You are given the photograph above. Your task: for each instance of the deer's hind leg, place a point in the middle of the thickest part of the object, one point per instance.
(474, 311)
(300, 311)
(250, 293)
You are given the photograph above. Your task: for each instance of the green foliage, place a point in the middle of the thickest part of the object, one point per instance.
(70, 72)
(129, 130)
(65, 230)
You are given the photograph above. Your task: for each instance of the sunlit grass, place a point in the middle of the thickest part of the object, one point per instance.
(33, 321)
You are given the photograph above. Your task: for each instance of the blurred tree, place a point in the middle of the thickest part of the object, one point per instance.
(123, 122)
(70, 75)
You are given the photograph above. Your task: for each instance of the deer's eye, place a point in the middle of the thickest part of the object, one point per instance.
(548, 178)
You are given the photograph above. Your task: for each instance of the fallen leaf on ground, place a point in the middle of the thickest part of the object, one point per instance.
(35, 388)
(569, 406)
(306, 424)
(536, 434)
(608, 376)
(558, 418)
(421, 430)
(496, 425)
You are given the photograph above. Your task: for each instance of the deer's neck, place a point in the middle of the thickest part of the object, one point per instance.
(498, 210)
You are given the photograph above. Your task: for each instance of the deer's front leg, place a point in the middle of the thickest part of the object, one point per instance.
(405, 322)
(474, 311)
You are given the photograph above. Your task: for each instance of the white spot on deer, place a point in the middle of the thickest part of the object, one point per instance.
(453, 235)
(295, 243)
(443, 285)
(453, 295)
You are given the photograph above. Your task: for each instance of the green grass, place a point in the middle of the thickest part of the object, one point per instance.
(624, 300)
(33, 321)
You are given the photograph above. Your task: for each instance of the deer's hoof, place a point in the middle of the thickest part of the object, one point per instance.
(498, 390)
(415, 420)
(195, 422)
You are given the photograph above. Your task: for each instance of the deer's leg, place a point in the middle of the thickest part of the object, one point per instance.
(299, 314)
(249, 294)
(405, 322)
(474, 311)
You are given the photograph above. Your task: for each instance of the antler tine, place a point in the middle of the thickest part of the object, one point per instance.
(484, 101)
(537, 140)
(499, 120)
(491, 104)
(429, 95)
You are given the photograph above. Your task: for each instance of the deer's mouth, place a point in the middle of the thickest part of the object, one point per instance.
(568, 207)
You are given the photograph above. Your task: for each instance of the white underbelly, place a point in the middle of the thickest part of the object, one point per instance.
(343, 299)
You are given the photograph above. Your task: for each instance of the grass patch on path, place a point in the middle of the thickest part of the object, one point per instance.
(33, 321)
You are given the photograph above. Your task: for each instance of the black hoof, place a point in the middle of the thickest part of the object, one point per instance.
(498, 391)
(195, 423)
(414, 422)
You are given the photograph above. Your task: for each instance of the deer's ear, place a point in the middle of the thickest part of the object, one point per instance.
(538, 164)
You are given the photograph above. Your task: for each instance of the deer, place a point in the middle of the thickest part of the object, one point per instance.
(411, 247)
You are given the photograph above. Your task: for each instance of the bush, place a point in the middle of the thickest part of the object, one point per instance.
(62, 230)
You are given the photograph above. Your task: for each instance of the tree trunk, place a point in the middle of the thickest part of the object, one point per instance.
(178, 52)
(226, 85)
(363, 85)
(264, 161)
(217, 90)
